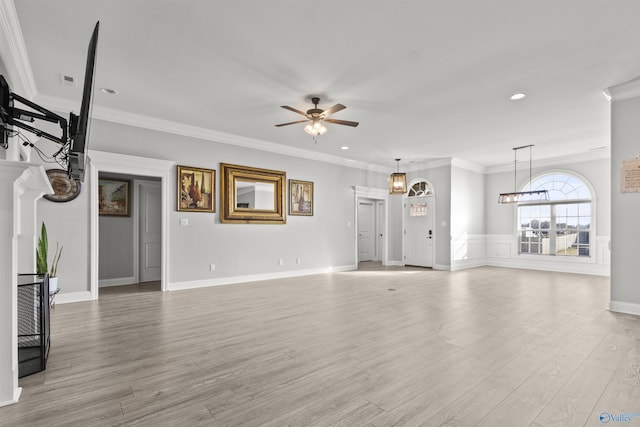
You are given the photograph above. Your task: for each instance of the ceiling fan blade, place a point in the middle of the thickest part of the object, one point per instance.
(342, 122)
(286, 107)
(291, 123)
(333, 109)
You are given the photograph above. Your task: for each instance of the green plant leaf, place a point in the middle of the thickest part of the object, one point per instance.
(42, 251)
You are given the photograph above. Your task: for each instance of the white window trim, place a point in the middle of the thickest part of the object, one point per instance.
(592, 258)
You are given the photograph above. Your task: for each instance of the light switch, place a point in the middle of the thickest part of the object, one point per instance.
(184, 221)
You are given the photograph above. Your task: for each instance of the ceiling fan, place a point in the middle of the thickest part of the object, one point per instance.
(316, 116)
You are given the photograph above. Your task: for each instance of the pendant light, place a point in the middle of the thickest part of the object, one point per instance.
(398, 181)
(522, 196)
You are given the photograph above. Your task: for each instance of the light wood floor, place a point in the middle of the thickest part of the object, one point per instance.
(375, 347)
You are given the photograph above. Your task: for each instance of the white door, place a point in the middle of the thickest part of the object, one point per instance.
(366, 238)
(418, 231)
(150, 197)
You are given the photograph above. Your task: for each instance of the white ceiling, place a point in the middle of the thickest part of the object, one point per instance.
(425, 79)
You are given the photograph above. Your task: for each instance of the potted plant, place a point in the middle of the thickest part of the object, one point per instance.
(42, 256)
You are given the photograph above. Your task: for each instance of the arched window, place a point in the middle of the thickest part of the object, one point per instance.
(560, 226)
(420, 188)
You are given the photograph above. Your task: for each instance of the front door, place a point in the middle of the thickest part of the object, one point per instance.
(418, 231)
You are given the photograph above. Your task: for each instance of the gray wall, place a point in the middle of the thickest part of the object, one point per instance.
(324, 240)
(394, 243)
(68, 224)
(500, 219)
(625, 229)
(116, 247)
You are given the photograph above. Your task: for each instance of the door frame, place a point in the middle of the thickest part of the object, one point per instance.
(100, 161)
(375, 194)
(405, 197)
(137, 209)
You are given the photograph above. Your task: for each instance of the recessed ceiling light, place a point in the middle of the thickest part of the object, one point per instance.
(344, 147)
(517, 96)
(109, 91)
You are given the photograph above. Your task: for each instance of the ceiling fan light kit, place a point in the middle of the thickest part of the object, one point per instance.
(316, 128)
(317, 117)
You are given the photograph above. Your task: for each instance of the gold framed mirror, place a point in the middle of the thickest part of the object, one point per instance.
(252, 195)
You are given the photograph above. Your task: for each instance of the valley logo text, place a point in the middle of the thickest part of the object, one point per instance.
(625, 417)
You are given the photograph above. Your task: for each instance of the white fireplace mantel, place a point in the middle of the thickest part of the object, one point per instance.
(21, 184)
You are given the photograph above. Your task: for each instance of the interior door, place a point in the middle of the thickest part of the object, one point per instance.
(150, 231)
(418, 231)
(366, 238)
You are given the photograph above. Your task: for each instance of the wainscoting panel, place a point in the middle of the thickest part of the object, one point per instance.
(502, 251)
(468, 251)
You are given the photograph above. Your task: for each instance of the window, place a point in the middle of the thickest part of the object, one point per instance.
(418, 209)
(560, 226)
(420, 188)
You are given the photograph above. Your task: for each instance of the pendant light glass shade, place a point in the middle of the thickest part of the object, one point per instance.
(398, 181)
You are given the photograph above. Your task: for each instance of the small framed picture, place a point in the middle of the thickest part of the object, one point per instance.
(114, 197)
(300, 197)
(196, 189)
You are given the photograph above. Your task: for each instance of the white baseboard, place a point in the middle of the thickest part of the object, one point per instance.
(178, 286)
(394, 263)
(16, 397)
(566, 267)
(624, 307)
(118, 281)
(443, 267)
(467, 263)
(65, 298)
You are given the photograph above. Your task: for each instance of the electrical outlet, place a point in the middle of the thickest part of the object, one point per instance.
(212, 267)
(298, 260)
(280, 261)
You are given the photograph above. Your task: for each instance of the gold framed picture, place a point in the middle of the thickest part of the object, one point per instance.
(300, 197)
(196, 189)
(114, 197)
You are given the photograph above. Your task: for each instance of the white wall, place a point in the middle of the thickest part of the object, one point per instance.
(625, 207)
(467, 218)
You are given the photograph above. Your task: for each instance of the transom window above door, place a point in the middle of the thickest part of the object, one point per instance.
(420, 188)
(561, 226)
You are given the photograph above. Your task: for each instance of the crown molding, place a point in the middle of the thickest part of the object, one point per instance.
(555, 161)
(630, 89)
(167, 126)
(14, 52)
(470, 166)
(428, 164)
